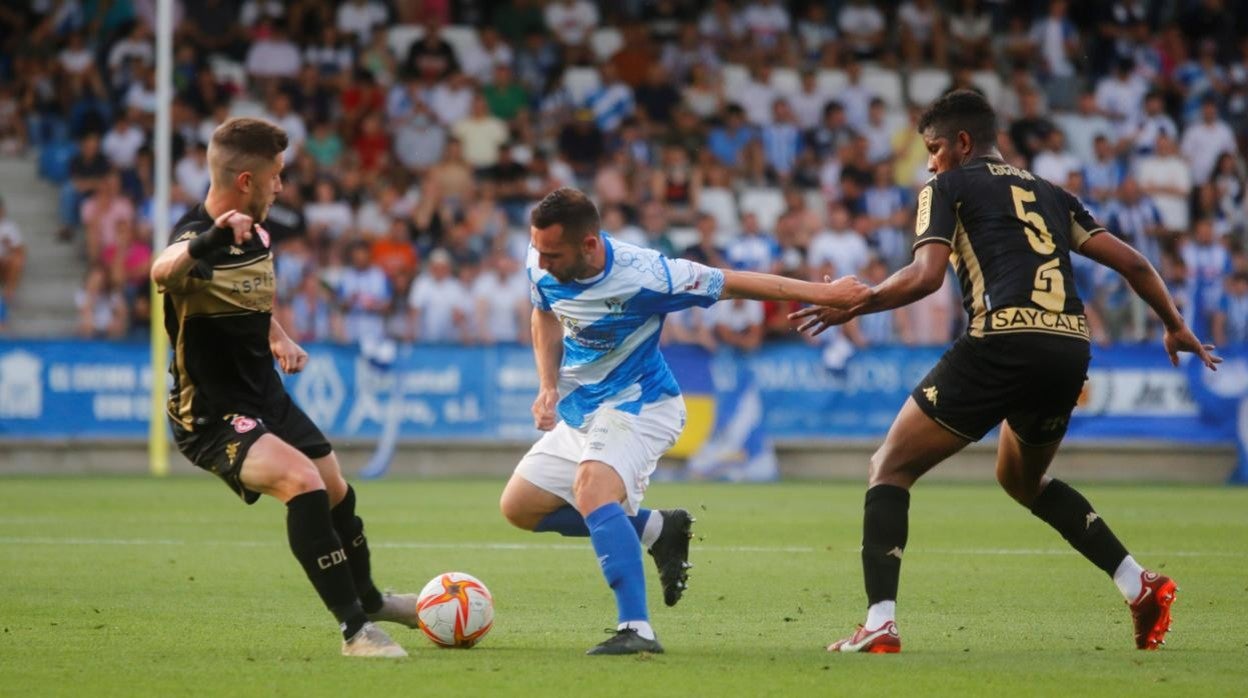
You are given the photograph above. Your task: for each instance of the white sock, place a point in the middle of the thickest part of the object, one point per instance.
(1127, 577)
(654, 526)
(641, 626)
(880, 613)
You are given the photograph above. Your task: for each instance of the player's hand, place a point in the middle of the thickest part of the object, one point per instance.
(291, 357)
(845, 292)
(237, 222)
(816, 319)
(1183, 340)
(544, 415)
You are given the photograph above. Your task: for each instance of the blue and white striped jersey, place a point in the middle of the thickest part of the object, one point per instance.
(611, 326)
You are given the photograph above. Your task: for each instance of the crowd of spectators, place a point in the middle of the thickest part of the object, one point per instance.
(757, 134)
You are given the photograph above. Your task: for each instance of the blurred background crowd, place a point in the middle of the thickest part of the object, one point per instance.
(762, 134)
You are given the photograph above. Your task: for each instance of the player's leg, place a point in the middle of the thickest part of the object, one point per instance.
(531, 508)
(599, 491)
(1021, 471)
(273, 467)
(915, 444)
(538, 497)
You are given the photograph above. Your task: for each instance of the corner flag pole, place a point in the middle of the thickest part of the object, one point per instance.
(157, 432)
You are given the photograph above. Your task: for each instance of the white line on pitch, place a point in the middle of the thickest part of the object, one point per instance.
(430, 545)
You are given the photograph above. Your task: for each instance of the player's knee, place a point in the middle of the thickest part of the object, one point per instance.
(513, 509)
(594, 486)
(299, 478)
(883, 470)
(1015, 485)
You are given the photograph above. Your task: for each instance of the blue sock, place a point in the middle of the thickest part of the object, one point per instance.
(619, 553)
(567, 521)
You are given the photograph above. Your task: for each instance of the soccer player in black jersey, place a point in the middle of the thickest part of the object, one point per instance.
(1021, 364)
(229, 412)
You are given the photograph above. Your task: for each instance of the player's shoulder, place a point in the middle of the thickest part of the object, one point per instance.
(636, 265)
(192, 223)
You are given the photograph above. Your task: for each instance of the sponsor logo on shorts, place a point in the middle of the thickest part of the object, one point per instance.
(231, 452)
(242, 424)
(931, 394)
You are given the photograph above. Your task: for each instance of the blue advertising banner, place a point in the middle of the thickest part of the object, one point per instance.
(89, 389)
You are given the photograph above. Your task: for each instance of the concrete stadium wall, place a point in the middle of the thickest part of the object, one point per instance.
(1120, 462)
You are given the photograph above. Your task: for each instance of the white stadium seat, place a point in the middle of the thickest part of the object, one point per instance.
(734, 77)
(580, 81)
(989, 83)
(722, 204)
(786, 81)
(682, 237)
(830, 82)
(885, 83)
(462, 38)
(401, 37)
(926, 84)
(765, 202)
(606, 42)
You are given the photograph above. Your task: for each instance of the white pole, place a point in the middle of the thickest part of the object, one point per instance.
(158, 441)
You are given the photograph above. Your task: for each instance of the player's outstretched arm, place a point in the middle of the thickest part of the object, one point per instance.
(922, 277)
(176, 261)
(845, 292)
(548, 352)
(1144, 280)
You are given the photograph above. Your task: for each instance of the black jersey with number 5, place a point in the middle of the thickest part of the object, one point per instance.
(1011, 235)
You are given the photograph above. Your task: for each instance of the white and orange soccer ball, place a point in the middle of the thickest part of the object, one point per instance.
(455, 610)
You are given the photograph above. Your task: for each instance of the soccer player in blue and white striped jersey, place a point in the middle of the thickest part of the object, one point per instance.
(607, 399)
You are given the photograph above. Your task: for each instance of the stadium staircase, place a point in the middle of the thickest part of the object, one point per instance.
(44, 306)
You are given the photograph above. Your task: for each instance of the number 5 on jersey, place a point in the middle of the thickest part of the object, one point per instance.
(1050, 286)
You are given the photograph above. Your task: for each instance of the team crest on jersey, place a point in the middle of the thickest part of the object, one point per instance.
(242, 424)
(264, 235)
(616, 306)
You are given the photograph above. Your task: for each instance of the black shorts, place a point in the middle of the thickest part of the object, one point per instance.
(220, 446)
(1028, 379)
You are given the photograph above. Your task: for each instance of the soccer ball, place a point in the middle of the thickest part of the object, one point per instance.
(455, 610)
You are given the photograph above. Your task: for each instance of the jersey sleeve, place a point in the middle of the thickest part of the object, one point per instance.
(1082, 225)
(691, 284)
(936, 216)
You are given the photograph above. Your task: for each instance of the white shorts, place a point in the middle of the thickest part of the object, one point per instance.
(630, 443)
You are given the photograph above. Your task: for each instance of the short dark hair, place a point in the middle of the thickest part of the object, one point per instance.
(251, 137)
(570, 208)
(961, 110)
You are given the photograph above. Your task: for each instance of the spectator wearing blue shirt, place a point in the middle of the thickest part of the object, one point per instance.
(364, 294)
(1135, 218)
(754, 250)
(1104, 174)
(728, 142)
(1230, 321)
(782, 140)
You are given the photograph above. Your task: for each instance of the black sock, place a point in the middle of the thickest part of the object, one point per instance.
(350, 530)
(316, 546)
(885, 526)
(1061, 507)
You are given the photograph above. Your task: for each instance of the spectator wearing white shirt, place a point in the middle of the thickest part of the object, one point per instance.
(1055, 163)
(1167, 178)
(766, 21)
(838, 250)
(327, 214)
(1206, 140)
(1120, 95)
(757, 95)
(122, 142)
(862, 27)
(1057, 40)
(481, 134)
(878, 130)
(331, 56)
(137, 45)
(922, 32)
(451, 99)
(500, 294)
(855, 97)
(272, 53)
(571, 21)
(358, 18)
(192, 172)
(1152, 123)
(141, 95)
(438, 304)
(364, 297)
(1104, 172)
(291, 122)
(490, 52)
(808, 103)
(253, 10)
(1083, 126)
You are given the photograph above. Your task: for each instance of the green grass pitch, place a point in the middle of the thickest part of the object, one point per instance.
(137, 587)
